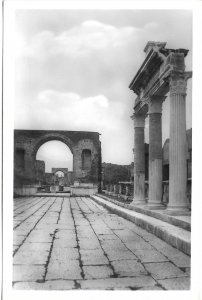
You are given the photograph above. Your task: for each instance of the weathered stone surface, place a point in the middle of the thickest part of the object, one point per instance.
(30, 258)
(150, 256)
(117, 283)
(35, 246)
(182, 283)
(138, 245)
(77, 257)
(129, 268)
(48, 285)
(151, 288)
(61, 269)
(163, 270)
(109, 244)
(93, 257)
(65, 254)
(116, 254)
(104, 237)
(65, 243)
(28, 272)
(89, 244)
(95, 272)
(178, 258)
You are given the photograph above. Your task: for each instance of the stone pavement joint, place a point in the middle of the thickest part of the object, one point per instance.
(30, 215)
(16, 250)
(113, 273)
(78, 246)
(73, 243)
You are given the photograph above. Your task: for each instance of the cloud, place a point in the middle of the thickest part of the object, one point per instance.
(77, 78)
(69, 111)
(80, 40)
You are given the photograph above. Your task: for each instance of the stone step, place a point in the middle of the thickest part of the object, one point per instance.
(173, 235)
(182, 219)
(52, 195)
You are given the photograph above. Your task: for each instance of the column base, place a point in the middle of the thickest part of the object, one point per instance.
(138, 202)
(155, 205)
(177, 210)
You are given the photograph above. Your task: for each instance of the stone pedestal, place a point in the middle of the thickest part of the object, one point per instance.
(139, 160)
(177, 150)
(155, 152)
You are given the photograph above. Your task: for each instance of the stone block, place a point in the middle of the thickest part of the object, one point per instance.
(28, 246)
(129, 268)
(117, 283)
(95, 272)
(64, 254)
(89, 244)
(64, 270)
(30, 258)
(150, 256)
(28, 272)
(93, 257)
(182, 283)
(48, 285)
(163, 270)
(114, 254)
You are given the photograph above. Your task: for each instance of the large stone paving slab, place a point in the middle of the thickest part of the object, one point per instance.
(73, 243)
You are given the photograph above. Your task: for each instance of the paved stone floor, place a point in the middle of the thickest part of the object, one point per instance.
(73, 243)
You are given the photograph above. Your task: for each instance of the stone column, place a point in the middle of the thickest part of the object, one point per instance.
(116, 189)
(177, 146)
(139, 160)
(155, 152)
(120, 189)
(127, 190)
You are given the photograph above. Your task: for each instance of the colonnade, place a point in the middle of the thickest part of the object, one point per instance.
(122, 189)
(177, 150)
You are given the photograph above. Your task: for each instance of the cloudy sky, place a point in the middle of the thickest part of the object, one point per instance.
(73, 69)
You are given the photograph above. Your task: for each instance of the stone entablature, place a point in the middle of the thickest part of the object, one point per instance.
(163, 70)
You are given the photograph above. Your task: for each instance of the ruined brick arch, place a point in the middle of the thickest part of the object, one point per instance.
(52, 137)
(63, 170)
(31, 140)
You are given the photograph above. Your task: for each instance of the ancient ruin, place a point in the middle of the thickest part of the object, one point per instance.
(162, 72)
(85, 147)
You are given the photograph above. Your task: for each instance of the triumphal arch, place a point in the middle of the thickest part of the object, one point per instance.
(85, 147)
(161, 74)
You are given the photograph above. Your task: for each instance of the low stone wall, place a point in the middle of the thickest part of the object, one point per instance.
(83, 190)
(25, 191)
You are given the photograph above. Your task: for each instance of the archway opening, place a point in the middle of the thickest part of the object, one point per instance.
(56, 155)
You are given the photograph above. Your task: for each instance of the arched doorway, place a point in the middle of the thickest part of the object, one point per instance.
(57, 159)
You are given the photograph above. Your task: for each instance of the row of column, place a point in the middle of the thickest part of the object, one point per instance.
(120, 189)
(177, 150)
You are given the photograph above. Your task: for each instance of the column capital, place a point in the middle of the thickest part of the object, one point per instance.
(178, 83)
(155, 104)
(139, 120)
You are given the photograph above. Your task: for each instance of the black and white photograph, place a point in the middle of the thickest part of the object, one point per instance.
(101, 130)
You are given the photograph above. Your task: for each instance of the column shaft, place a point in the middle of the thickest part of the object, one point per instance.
(177, 152)
(139, 160)
(155, 152)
